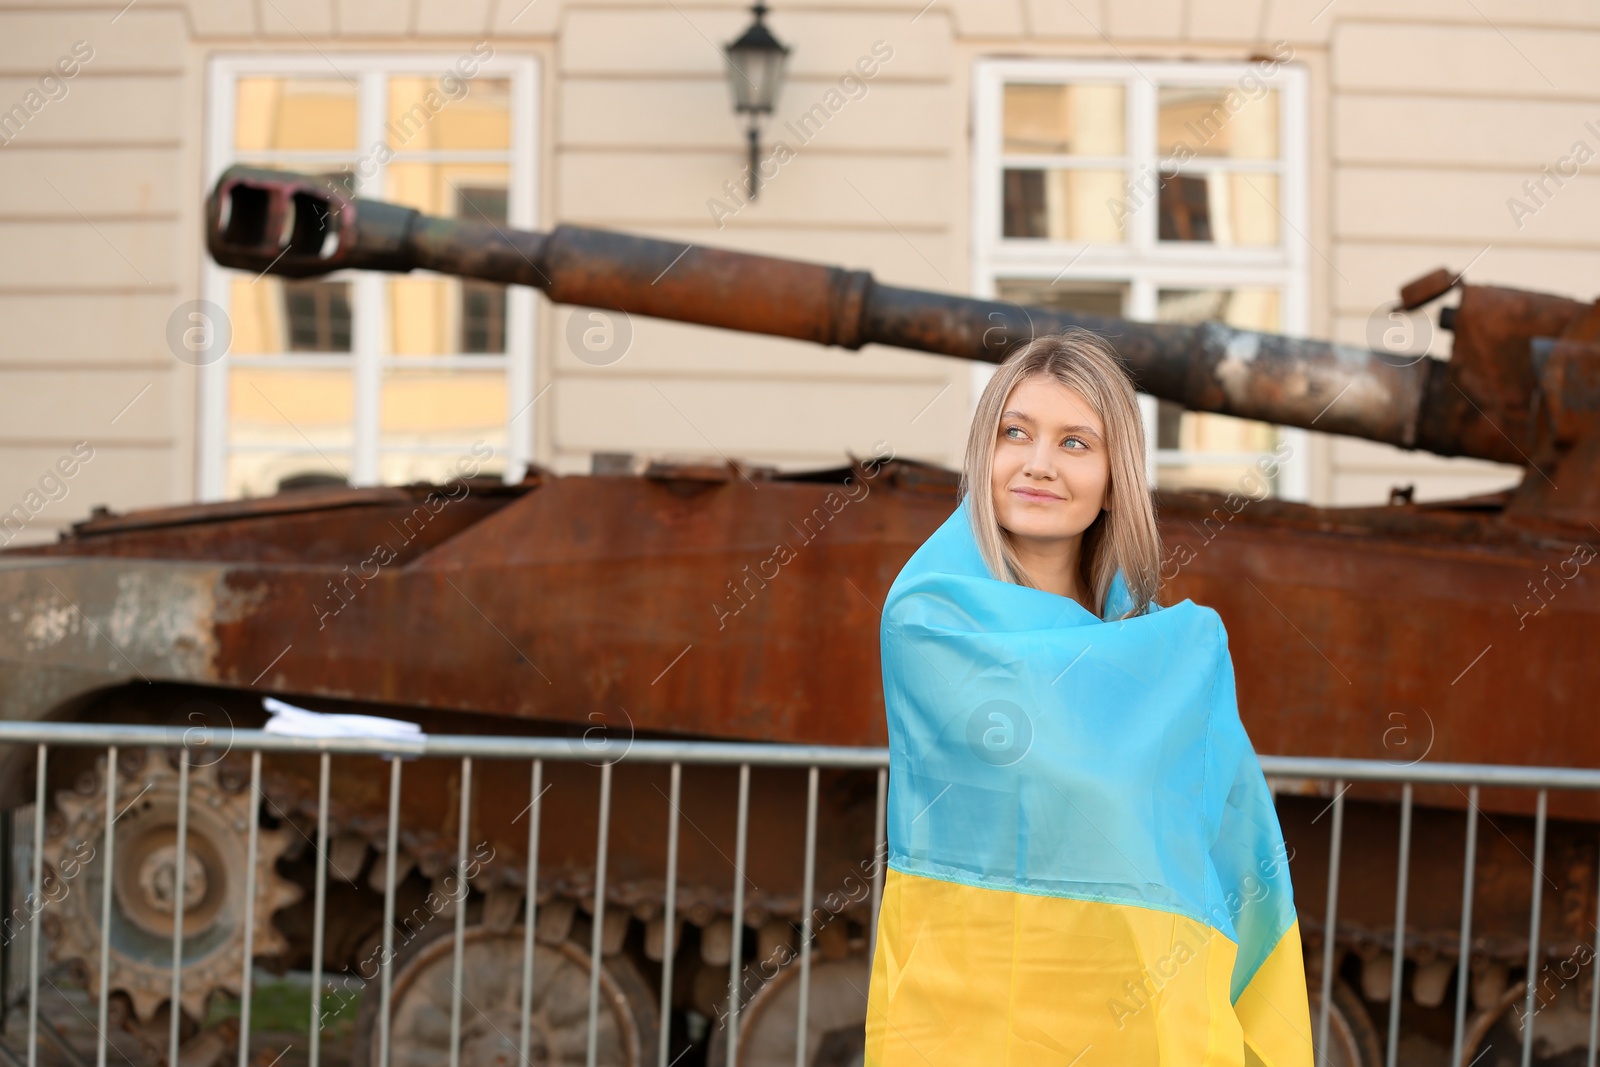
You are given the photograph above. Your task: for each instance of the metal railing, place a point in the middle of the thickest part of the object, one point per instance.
(1336, 774)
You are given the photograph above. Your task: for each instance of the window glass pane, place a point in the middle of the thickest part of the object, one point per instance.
(1079, 120)
(1232, 442)
(265, 473)
(1085, 297)
(1220, 207)
(1063, 205)
(305, 114)
(293, 408)
(1217, 120)
(272, 315)
(446, 316)
(1241, 308)
(427, 113)
(427, 410)
(403, 468)
(455, 190)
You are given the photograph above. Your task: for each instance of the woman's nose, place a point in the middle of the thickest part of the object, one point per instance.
(1038, 464)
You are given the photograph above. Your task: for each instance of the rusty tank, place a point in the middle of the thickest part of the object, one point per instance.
(721, 600)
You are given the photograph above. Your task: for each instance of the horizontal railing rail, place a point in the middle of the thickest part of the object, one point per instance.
(605, 753)
(731, 753)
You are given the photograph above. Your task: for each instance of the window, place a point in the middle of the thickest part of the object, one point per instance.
(1168, 191)
(363, 378)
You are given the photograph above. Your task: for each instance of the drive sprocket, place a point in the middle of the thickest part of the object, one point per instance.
(144, 881)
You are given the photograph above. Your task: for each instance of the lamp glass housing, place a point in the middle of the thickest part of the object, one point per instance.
(756, 63)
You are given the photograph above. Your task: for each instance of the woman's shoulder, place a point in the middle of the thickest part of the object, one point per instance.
(1195, 621)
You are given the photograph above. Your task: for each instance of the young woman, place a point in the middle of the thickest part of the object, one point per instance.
(1085, 866)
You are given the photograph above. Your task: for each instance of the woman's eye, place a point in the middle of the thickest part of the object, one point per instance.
(1074, 443)
(1013, 432)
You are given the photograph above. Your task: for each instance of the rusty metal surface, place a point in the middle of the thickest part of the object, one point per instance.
(305, 526)
(695, 605)
(1401, 632)
(1479, 402)
(702, 607)
(1501, 875)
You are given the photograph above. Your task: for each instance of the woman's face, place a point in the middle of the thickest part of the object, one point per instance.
(1052, 468)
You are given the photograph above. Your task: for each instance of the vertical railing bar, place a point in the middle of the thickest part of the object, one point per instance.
(391, 867)
(531, 914)
(880, 860)
(180, 878)
(35, 906)
(107, 866)
(318, 912)
(736, 951)
(458, 958)
(669, 914)
(1533, 926)
(1594, 986)
(1398, 966)
(252, 856)
(807, 894)
(1463, 970)
(592, 1050)
(1330, 922)
(7, 892)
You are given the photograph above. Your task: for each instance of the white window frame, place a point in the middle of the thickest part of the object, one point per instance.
(369, 307)
(1143, 262)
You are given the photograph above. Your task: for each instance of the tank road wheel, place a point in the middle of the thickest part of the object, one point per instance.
(144, 881)
(837, 1018)
(491, 1006)
(1353, 1038)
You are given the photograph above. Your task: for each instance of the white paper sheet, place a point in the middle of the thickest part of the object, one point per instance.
(303, 722)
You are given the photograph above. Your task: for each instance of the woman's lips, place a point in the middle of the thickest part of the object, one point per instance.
(1034, 494)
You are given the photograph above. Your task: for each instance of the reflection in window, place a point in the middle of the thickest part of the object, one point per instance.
(294, 114)
(1243, 308)
(1063, 205)
(483, 317)
(1218, 207)
(1231, 441)
(318, 315)
(1078, 296)
(1217, 121)
(483, 304)
(450, 113)
(1185, 209)
(252, 473)
(1080, 120)
(312, 479)
(1024, 213)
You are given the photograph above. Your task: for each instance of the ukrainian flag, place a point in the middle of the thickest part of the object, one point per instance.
(1085, 866)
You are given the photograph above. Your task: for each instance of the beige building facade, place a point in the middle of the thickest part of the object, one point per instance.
(1281, 166)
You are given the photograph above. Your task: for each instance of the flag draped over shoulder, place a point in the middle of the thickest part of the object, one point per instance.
(1085, 866)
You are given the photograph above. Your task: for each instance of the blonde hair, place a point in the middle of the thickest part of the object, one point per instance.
(1122, 537)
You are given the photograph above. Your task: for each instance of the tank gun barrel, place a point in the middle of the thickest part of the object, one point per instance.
(301, 226)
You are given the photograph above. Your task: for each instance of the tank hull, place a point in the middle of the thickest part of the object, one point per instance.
(702, 604)
(722, 603)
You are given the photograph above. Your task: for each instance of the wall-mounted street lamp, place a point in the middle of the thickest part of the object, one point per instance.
(755, 74)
